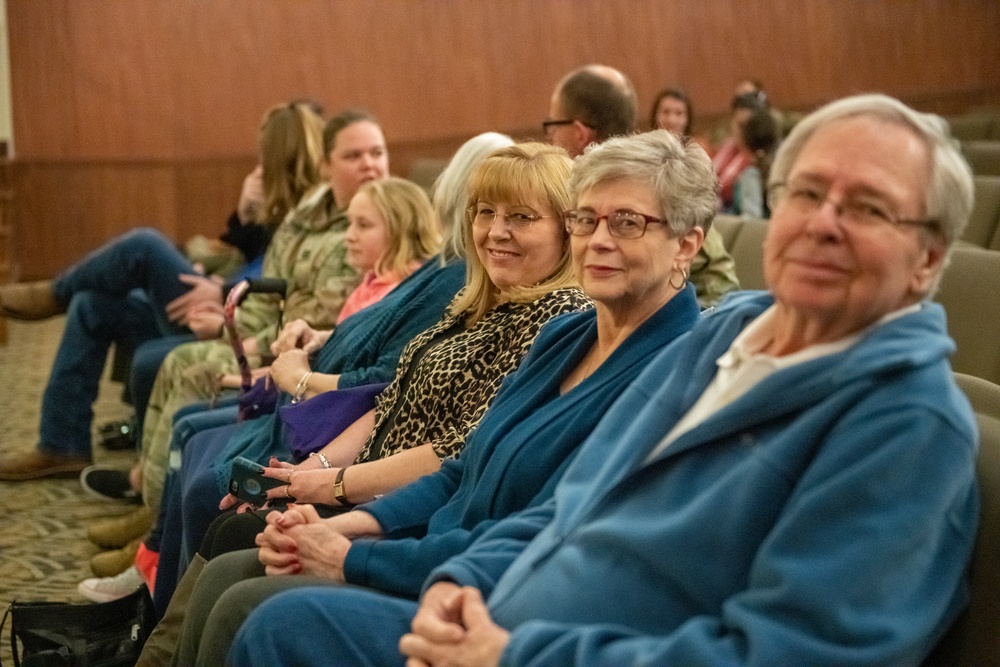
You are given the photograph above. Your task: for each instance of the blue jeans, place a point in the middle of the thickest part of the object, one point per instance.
(102, 309)
(166, 535)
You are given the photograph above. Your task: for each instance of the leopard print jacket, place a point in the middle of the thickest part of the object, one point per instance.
(452, 384)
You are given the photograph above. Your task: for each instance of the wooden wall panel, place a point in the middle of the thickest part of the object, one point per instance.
(63, 210)
(206, 193)
(166, 97)
(144, 79)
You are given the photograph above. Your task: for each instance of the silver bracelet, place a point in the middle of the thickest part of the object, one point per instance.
(322, 459)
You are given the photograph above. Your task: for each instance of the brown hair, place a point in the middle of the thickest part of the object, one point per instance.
(291, 152)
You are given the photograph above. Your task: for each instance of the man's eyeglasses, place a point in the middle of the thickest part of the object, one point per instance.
(485, 217)
(549, 124)
(621, 224)
(803, 198)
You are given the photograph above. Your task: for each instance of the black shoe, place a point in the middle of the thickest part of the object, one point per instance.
(119, 435)
(108, 483)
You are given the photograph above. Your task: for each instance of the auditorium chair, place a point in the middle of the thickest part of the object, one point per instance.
(983, 157)
(974, 639)
(744, 239)
(983, 229)
(424, 171)
(970, 289)
(973, 126)
(728, 227)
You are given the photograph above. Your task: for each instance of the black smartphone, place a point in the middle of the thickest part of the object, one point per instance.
(248, 482)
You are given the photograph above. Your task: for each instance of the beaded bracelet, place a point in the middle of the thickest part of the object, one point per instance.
(322, 459)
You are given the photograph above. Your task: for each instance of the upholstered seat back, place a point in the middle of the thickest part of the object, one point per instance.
(970, 294)
(974, 640)
(983, 157)
(744, 239)
(983, 229)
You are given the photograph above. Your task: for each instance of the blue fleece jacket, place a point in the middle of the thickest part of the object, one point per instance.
(517, 454)
(826, 517)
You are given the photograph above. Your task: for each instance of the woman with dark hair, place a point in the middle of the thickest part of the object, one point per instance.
(760, 137)
(672, 111)
(308, 253)
(732, 157)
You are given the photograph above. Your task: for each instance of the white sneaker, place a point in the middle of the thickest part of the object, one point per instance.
(106, 589)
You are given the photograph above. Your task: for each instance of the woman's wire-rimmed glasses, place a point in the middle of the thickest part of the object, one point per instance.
(485, 217)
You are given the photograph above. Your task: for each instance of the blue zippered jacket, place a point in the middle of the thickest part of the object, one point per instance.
(826, 517)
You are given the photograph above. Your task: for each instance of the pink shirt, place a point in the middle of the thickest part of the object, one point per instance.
(729, 162)
(371, 289)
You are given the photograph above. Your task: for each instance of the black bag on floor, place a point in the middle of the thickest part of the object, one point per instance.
(62, 634)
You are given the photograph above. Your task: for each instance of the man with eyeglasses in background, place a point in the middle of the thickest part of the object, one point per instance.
(589, 105)
(596, 102)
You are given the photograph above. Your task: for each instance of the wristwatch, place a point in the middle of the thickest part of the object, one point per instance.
(338, 489)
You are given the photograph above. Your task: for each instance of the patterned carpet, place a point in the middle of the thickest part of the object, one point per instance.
(44, 551)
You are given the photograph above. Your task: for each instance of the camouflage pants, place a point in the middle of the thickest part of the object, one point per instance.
(189, 374)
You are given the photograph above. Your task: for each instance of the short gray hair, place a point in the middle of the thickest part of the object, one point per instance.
(679, 172)
(949, 195)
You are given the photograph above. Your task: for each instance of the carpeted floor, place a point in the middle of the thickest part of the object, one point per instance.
(44, 551)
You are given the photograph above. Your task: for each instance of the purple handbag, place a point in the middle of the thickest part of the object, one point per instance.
(260, 399)
(313, 423)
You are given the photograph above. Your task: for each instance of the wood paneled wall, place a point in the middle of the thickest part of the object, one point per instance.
(143, 111)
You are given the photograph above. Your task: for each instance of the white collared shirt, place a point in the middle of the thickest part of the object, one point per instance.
(743, 366)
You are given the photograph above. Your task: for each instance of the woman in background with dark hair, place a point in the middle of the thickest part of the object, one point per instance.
(672, 112)
(760, 137)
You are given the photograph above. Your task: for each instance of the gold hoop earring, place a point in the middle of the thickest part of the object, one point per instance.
(684, 280)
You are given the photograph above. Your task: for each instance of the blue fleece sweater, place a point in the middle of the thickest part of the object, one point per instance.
(516, 455)
(826, 517)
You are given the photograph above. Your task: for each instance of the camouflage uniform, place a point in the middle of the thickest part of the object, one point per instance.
(713, 271)
(308, 252)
